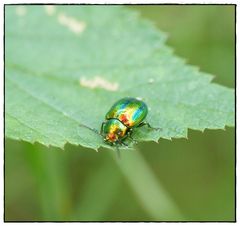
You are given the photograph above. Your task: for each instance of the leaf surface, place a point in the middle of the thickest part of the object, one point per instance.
(67, 65)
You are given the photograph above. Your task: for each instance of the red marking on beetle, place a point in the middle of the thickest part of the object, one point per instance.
(111, 136)
(124, 118)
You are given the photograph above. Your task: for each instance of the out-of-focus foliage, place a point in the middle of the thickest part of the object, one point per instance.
(196, 176)
(54, 59)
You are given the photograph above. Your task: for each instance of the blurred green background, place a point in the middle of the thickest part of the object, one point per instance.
(197, 174)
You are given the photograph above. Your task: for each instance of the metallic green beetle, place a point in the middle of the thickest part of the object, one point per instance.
(122, 118)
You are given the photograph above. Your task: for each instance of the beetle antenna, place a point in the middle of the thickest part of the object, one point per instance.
(92, 129)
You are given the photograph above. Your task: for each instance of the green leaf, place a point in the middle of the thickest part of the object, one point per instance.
(67, 65)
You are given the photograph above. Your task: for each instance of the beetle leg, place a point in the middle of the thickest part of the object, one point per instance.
(101, 131)
(123, 138)
(122, 143)
(148, 125)
(127, 135)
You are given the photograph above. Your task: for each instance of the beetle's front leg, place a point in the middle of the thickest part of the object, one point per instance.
(127, 135)
(122, 143)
